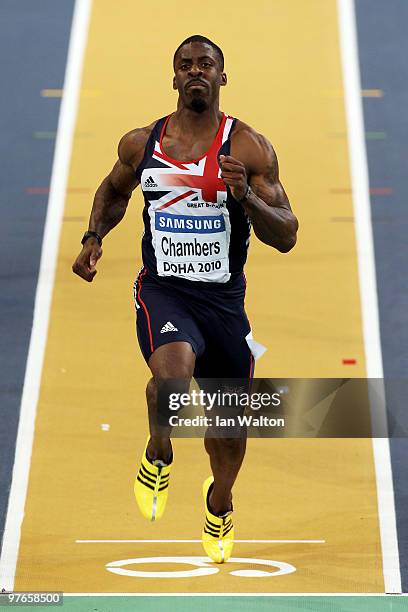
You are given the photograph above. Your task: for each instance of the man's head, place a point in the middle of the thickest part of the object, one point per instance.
(198, 72)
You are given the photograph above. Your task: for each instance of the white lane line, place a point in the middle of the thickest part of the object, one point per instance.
(368, 286)
(197, 541)
(49, 254)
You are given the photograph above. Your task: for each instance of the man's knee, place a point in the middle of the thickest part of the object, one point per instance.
(229, 449)
(175, 360)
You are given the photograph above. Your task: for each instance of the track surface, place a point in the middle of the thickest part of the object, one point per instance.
(304, 306)
(34, 40)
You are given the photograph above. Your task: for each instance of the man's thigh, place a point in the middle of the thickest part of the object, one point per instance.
(226, 353)
(163, 317)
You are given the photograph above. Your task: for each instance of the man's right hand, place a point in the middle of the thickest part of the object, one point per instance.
(85, 263)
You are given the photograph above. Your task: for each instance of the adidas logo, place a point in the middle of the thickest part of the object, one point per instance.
(168, 327)
(149, 182)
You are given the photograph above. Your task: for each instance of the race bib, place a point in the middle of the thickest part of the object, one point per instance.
(192, 246)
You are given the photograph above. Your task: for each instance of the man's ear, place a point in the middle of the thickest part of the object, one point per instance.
(174, 83)
(223, 79)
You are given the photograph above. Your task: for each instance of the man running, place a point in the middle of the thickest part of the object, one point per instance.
(206, 179)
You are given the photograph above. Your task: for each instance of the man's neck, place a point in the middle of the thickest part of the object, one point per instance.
(188, 120)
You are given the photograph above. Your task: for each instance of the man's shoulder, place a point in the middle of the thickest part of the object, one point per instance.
(132, 145)
(250, 146)
(245, 133)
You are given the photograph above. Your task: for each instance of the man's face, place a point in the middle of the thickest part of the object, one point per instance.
(198, 75)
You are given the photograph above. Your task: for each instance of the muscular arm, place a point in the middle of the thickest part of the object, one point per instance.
(111, 199)
(253, 161)
(113, 194)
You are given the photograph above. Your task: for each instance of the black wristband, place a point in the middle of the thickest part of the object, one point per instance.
(247, 194)
(90, 234)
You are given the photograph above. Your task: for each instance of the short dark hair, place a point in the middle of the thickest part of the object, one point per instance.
(202, 39)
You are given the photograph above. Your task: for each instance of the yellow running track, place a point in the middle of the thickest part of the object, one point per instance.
(283, 63)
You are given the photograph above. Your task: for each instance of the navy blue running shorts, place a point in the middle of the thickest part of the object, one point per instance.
(211, 318)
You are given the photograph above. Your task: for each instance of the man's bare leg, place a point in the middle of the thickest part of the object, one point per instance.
(174, 360)
(226, 456)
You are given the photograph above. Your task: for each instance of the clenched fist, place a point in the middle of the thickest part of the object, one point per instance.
(85, 263)
(234, 175)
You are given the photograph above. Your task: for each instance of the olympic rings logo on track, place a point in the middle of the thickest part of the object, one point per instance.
(203, 567)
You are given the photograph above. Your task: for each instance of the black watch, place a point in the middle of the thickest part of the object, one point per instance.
(90, 234)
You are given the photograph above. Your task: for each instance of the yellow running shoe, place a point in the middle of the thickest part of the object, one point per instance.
(218, 532)
(151, 487)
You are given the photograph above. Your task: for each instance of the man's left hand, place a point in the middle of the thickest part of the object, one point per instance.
(234, 175)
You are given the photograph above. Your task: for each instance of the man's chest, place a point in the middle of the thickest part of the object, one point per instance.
(180, 149)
